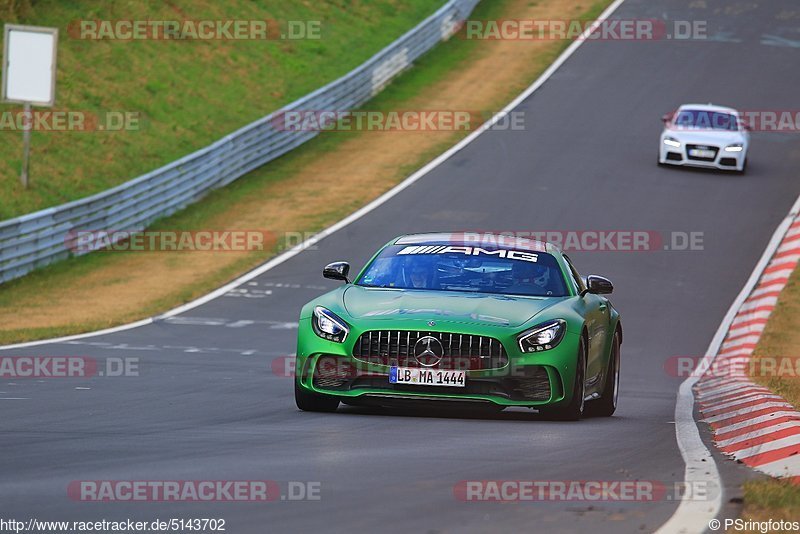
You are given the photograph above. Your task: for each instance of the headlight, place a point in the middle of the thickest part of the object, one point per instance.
(542, 337)
(671, 141)
(734, 148)
(328, 325)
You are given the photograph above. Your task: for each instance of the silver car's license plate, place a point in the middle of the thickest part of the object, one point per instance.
(698, 153)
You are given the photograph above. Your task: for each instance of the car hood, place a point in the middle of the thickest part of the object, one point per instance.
(706, 137)
(474, 308)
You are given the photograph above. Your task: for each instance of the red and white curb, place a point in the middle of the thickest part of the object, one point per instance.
(751, 424)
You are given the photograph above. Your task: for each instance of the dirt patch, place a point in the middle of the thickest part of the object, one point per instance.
(134, 285)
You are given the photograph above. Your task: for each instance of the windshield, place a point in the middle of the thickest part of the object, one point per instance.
(463, 268)
(709, 120)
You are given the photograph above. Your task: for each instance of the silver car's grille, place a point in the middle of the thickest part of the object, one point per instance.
(461, 351)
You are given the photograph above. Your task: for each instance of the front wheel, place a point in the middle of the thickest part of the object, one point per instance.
(606, 405)
(574, 410)
(312, 402)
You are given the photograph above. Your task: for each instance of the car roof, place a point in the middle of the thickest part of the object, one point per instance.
(479, 239)
(708, 107)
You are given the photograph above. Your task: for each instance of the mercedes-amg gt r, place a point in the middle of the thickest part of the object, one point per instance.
(462, 318)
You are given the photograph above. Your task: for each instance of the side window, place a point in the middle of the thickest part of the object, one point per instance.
(575, 276)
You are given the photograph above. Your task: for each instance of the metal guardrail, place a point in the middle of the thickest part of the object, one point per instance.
(37, 239)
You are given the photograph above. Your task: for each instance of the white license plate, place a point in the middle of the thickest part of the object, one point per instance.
(427, 377)
(696, 152)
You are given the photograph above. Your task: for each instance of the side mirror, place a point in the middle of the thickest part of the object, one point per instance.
(666, 117)
(337, 270)
(598, 285)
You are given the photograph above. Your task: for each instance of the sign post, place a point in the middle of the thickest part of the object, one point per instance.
(29, 75)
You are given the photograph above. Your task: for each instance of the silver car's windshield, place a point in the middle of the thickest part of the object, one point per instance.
(705, 120)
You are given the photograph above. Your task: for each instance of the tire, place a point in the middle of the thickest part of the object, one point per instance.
(312, 402)
(606, 405)
(574, 410)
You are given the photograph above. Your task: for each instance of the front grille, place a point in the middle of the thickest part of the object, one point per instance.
(701, 147)
(461, 351)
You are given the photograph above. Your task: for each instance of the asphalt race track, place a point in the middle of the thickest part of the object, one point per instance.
(209, 406)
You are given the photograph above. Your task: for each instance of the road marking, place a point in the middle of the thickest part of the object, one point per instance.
(777, 40)
(282, 285)
(230, 323)
(182, 348)
(249, 293)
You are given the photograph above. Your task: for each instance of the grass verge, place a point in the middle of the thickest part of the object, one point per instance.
(186, 93)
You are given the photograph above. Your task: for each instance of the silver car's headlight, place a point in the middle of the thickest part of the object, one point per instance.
(671, 141)
(328, 325)
(541, 337)
(736, 147)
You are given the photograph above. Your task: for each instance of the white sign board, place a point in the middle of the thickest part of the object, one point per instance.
(29, 64)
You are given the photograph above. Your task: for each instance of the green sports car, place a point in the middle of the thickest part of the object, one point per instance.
(459, 318)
